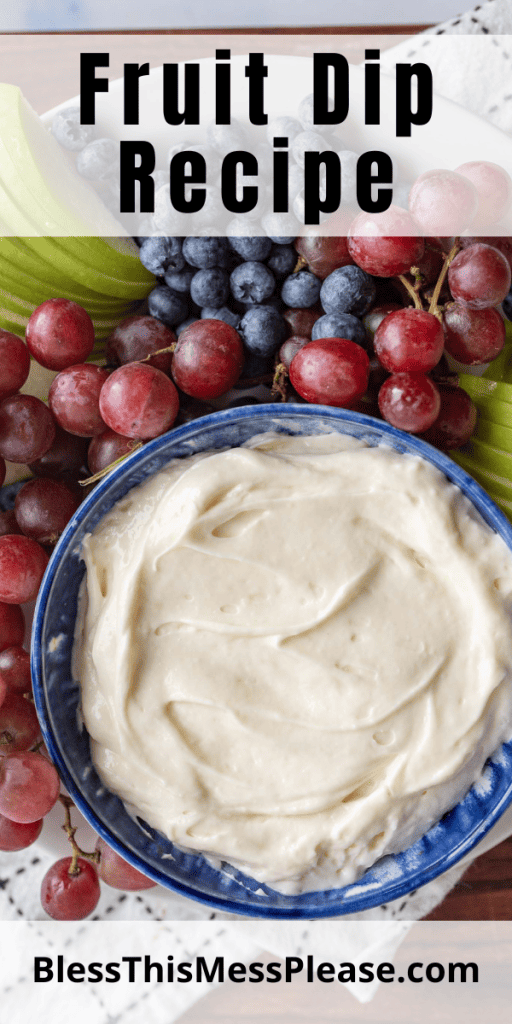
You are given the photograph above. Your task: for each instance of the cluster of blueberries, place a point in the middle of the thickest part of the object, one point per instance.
(97, 159)
(249, 282)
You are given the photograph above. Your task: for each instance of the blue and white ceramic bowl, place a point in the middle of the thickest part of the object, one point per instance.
(58, 700)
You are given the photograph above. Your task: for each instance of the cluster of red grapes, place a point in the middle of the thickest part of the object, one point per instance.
(455, 286)
(410, 299)
(405, 378)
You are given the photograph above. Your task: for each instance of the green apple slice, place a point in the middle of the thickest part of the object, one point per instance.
(495, 434)
(100, 275)
(12, 216)
(490, 457)
(23, 263)
(495, 411)
(38, 174)
(35, 292)
(481, 388)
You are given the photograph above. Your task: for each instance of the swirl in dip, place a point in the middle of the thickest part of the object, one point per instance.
(295, 655)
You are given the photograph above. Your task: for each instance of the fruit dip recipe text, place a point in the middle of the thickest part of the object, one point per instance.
(295, 655)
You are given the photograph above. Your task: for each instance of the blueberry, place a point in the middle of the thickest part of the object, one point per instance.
(223, 313)
(160, 178)
(241, 227)
(282, 228)
(68, 131)
(340, 325)
(185, 323)
(252, 283)
(166, 217)
(348, 290)
(282, 260)
(178, 147)
(226, 138)
(305, 115)
(210, 287)
(179, 280)
(99, 160)
(251, 248)
(295, 180)
(160, 255)
(212, 213)
(265, 157)
(306, 142)
(283, 127)
(204, 252)
(301, 290)
(262, 330)
(167, 306)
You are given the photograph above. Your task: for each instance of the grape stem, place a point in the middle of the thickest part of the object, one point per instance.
(279, 383)
(412, 291)
(159, 352)
(434, 307)
(70, 830)
(300, 264)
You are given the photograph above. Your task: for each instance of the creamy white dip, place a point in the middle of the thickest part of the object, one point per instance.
(296, 655)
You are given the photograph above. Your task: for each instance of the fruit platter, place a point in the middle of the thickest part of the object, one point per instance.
(110, 341)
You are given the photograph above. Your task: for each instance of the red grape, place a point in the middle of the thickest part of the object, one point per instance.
(12, 626)
(22, 565)
(139, 401)
(456, 420)
(494, 189)
(29, 786)
(17, 836)
(208, 359)
(74, 399)
(137, 337)
(14, 363)
(504, 245)
(409, 401)
(443, 202)
(115, 871)
(67, 897)
(15, 668)
(385, 244)
(473, 336)
(106, 448)
(19, 726)
(290, 348)
(479, 276)
(65, 458)
(330, 371)
(27, 428)
(409, 339)
(43, 507)
(3, 691)
(376, 315)
(301, 321)
(60, 333)
(324, 253)
(3, 470)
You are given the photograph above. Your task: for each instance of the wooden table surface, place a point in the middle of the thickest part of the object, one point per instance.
(46, 69)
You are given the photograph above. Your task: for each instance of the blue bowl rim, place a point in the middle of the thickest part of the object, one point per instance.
(390, 890)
